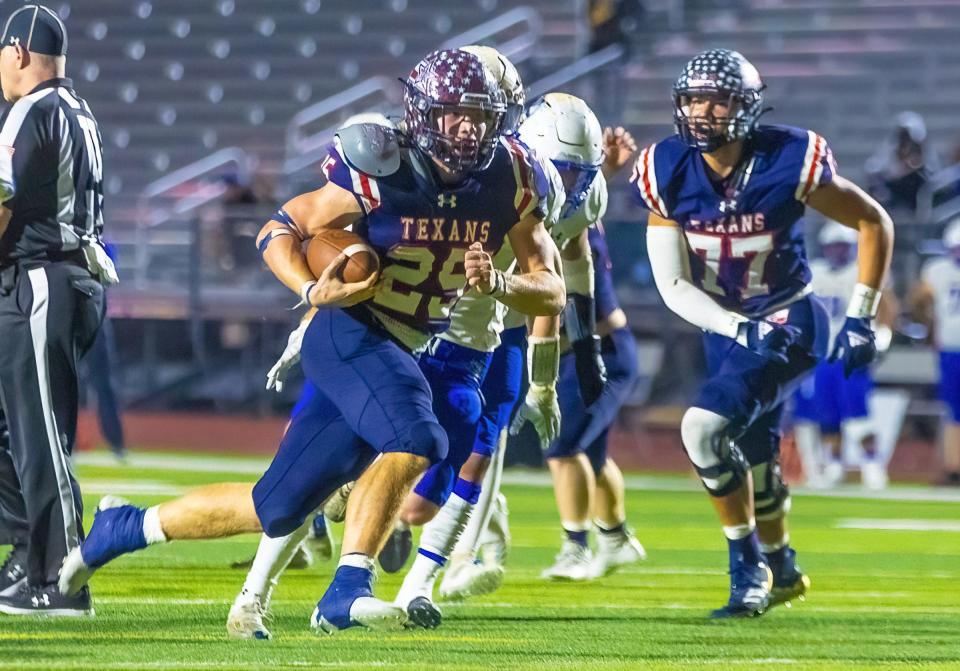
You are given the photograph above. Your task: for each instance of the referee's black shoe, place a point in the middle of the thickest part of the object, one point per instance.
(13, 573)
(46, 600)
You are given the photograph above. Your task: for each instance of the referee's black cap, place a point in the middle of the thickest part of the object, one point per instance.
(38, 29)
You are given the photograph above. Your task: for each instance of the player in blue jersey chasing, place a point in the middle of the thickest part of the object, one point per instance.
(431, 201)
(726, 198)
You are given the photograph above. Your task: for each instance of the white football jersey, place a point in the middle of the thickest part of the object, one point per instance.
(478, 320)
(943, 276)
(834, 288)
(591, 210)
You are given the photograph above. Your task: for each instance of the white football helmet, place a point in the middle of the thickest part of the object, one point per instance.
(562, 128)
(951, 235)
(834, 233)
(506, 75)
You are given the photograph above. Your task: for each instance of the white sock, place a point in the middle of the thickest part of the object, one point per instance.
(437, 540)
(773, 547)
(357, 560)
(739, 531)
(273, 555)
(467, 544)
(152, 530)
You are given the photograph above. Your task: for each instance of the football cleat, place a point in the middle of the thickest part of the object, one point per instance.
(749, 591)
(572, 563)
(320, 538)
(422, 612)
(789, 582)
(117, 529)
(349, 602)
(396, 551)
(615, 551)
(873, 474)
(246, 616)
(13, 573)
(465, 579)
(47, 601)
(335, 508)
(833, 473)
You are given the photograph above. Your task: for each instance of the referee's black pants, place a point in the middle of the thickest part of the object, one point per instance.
(49, 315)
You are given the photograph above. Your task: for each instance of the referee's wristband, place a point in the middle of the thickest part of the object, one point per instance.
(864, 302)
(305, 290)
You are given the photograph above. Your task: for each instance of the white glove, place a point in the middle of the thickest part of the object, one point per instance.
(100, 264)
(287, 360)
(540, 407)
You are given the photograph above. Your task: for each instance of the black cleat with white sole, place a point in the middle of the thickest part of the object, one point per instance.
(13, 573)
(47, 601)
(421, 612)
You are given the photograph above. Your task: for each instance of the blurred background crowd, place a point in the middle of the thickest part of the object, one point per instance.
(214, 111)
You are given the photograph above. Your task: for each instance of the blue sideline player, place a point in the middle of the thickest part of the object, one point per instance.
(431, 200)
(726, 197)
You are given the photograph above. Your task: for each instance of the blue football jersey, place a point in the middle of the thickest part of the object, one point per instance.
(421, 229)
(746, 241)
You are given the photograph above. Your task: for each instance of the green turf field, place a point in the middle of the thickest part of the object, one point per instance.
(881, 599)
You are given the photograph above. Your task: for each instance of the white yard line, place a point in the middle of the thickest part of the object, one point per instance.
(897, 525)
(657, 483)
(130, 487)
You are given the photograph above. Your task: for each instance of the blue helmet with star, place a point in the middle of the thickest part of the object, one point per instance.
(729, 79)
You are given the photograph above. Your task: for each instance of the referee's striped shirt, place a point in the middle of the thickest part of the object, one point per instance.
(51, 172)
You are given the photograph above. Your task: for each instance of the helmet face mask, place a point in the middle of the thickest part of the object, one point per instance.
(577, 180)
(718, 99)
(454, 110)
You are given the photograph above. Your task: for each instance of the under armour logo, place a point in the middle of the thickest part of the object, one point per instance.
(15, 41)
(728, 206)
(447, 200)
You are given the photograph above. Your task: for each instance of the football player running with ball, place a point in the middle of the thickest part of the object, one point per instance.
(434, 202)
(725, 237)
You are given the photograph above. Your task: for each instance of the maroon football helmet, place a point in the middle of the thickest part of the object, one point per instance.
(454, 82)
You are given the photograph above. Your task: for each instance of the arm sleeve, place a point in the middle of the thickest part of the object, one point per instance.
(818, 166)
(671, 272)
(19, 144)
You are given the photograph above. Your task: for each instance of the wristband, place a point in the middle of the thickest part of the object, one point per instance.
(864, 302)
(499, 288)
(305, 290)
(543, 359)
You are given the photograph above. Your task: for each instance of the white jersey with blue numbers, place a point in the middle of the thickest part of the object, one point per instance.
(834, 286)
(478, 320)
(745, 240)
(943, 276)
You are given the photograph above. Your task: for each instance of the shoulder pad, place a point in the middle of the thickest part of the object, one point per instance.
(370, 148)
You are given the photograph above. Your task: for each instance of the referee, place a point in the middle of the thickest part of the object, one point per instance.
(52, 272)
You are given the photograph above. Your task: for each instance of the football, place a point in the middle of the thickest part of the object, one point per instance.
(325, 247)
